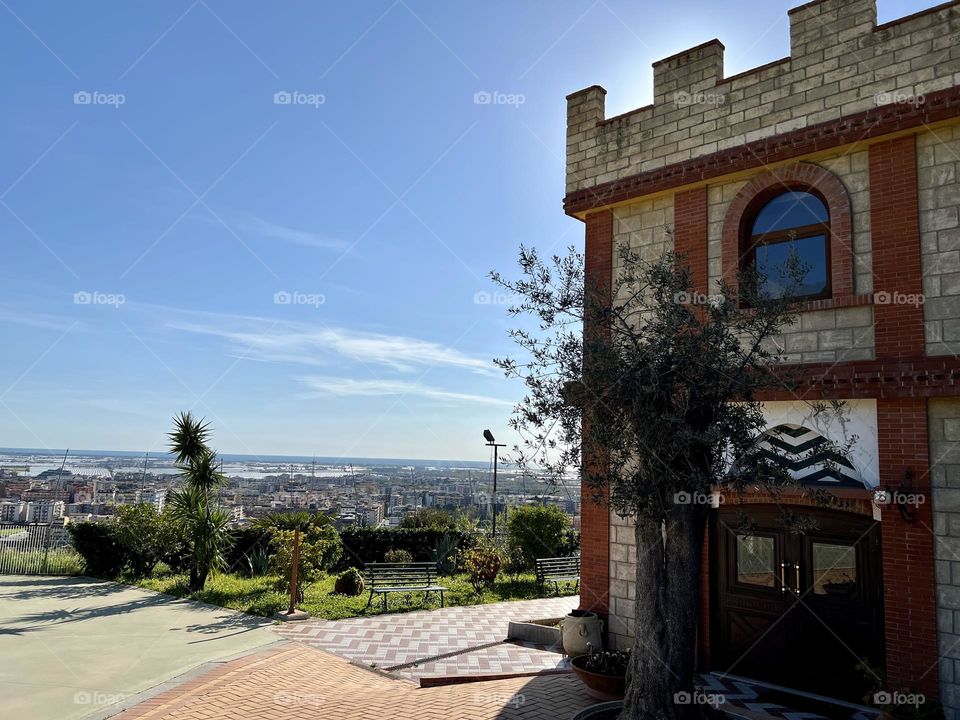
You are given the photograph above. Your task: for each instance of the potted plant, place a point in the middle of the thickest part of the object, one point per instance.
(899, 704)
(604, 672)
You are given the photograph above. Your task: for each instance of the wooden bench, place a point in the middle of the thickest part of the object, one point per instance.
(386, 578)
(557, 570)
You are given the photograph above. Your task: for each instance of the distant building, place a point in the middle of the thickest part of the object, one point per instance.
(43, 511)
(11, 511)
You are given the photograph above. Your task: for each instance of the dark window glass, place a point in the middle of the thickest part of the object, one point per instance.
(755, 556)
(790, 210)
(773, 263)
(834, 569)
(794, 224)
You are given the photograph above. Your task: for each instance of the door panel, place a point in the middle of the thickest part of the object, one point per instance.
(797, 609)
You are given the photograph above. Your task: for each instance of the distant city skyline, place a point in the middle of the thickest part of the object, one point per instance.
(282, 217)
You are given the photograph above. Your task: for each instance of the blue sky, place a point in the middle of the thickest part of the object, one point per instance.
(302, 268)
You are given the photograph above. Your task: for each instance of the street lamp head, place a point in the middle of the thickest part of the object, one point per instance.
(488, 436)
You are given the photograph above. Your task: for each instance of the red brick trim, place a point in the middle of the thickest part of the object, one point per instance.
(909, 591)
(595, 516)
(872, 123)
(706, 598)
(799, 176)
(895, 228)
(690, 233)
(851, 500)
(916, 377)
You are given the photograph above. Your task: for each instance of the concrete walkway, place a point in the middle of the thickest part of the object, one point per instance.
(73, 646)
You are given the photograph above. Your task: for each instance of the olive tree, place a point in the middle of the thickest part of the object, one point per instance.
(648, 391)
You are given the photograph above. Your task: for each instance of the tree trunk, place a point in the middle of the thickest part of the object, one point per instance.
(660, 677)
(198, 578)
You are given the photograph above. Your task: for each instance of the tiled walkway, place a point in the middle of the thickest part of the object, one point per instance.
(296, 682)
(447, 641)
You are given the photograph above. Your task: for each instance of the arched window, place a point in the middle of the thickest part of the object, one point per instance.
(792, 222)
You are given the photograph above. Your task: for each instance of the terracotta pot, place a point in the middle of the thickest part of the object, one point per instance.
(601, 687)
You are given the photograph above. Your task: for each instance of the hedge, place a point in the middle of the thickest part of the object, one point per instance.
(362, 545)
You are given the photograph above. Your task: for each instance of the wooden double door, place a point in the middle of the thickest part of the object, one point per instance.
(797, 609)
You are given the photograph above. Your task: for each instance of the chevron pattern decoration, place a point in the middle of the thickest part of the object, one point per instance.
(808, 457)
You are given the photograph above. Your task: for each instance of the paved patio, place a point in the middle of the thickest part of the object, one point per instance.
(73, 646)
(447, 641)
(296, 682)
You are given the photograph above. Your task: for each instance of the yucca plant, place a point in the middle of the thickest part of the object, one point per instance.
(194, 504)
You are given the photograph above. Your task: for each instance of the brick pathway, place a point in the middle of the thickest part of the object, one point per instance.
(408, 643)
(296, 682)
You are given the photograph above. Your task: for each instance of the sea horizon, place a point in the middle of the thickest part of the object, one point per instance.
(246, 458)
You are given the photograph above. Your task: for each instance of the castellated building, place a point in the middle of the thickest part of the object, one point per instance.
(847, 152)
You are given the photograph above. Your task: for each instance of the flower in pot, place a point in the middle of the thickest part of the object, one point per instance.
(604, 672)
(902, 703)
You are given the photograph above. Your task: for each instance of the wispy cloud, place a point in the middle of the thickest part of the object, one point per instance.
(321, 385)
(260, 228)
(307, 344)
(19, 316)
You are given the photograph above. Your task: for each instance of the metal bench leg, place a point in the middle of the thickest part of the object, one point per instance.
(441, 598)
(370, 601)
(385, 601)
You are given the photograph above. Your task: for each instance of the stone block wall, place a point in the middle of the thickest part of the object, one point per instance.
(938, 177)
(840, 63)
(944, 419)
(623, 584)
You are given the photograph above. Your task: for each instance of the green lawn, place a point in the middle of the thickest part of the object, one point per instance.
(258, 596)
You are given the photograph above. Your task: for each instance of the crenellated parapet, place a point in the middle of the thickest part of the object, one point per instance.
(841, 63)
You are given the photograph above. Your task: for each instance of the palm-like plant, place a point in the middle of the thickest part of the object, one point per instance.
(194, 504)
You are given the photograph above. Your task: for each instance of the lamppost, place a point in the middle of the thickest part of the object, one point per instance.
(491, 442)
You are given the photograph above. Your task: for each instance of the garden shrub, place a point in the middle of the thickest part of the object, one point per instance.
(146, 536)
(133, 542)
(362, 545)
(349, 582)
(99, 547)
(397, 556)
(569, 543)
(482, 563)
(319, 551)
(537, 531)
(250, 546)
(428, 517)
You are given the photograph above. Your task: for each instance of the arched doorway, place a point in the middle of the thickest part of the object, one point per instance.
(799, 604)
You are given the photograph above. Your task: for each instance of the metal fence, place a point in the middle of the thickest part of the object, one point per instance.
(37, 549)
